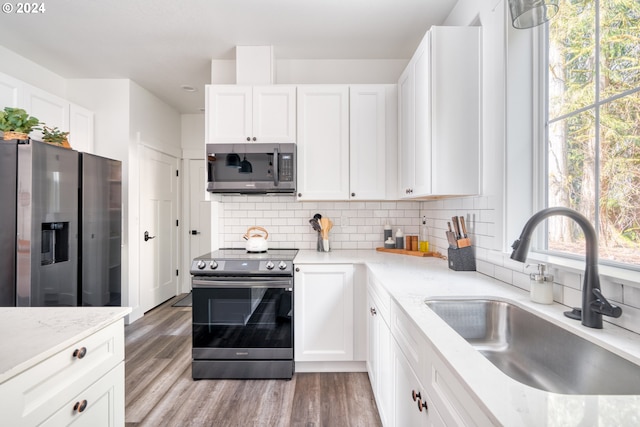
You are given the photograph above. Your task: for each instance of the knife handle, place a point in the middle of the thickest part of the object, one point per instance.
(456, 227)
(464, 227)
(449, 225)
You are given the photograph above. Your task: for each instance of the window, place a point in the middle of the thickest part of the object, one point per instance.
(593, 126)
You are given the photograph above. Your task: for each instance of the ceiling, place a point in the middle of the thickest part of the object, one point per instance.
(165, 44)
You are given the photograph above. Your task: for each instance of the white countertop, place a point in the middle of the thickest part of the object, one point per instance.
(32, 334)
(409, 280)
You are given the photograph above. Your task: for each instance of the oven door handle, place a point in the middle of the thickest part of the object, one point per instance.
(201, 283)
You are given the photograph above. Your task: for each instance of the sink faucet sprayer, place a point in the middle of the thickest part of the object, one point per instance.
(594, 304)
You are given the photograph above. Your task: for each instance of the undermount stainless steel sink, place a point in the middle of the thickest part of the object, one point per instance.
(536, 352)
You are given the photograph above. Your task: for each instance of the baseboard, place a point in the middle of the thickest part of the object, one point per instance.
(354, 366)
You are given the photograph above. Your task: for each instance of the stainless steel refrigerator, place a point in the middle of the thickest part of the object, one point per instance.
(61, 226)
(100, 230)
(46, 225)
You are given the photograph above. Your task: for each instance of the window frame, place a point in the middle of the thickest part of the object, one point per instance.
(541, 123)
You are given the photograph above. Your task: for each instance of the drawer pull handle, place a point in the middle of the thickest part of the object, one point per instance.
(422, 404)
(79, 353)
(80, 406)
(416, 396)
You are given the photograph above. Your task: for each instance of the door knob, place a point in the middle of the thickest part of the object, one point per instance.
(147, 237)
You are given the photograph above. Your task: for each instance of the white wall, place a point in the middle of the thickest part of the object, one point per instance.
(30, 72)
(125, 115)
(192, 136)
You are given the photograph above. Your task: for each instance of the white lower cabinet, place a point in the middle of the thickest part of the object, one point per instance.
(379, 361)
(412, 405)
(80, 385)
(454, 403)
(412, 385)
(100, 405)
(324, 313)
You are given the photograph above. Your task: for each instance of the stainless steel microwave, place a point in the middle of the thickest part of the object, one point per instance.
(251, 168)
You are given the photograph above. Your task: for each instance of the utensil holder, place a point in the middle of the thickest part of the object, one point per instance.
(461, 259)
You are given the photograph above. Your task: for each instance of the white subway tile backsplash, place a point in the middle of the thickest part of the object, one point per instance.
(359, 225)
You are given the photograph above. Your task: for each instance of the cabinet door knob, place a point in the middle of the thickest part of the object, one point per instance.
(299, 194)
(255, 139)
(353, 194)
(373, 311)
(248, 139)
(422, 405)
(79, 353)
(297, 270)
(80, 406)
(415, 395)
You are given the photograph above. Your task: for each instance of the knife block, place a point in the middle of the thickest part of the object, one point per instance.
(461, 259)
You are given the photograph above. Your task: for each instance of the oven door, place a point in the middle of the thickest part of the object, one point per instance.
(242, 318)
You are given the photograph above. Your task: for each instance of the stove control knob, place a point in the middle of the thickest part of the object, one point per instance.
(213, 265)
(282, 265)
(269, 265)
(201, 264)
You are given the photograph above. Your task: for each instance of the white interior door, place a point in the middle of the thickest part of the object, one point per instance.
(158, 214)
(199, 211)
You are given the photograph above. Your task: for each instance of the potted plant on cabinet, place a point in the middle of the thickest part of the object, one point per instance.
(55, 136)
(16, 123)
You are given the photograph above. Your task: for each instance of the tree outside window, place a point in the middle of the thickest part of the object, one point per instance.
(593, 151)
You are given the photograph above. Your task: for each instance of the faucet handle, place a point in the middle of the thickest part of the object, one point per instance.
(602, 306)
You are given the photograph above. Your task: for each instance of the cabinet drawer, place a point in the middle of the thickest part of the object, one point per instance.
(409, 338)
(380, 297)
(454, 402)
(103, 404)
(36, 394)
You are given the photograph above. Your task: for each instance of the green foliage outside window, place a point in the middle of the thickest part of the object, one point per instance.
(594, 124)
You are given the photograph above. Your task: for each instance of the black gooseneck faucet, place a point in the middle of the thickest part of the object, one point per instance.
(594, 304)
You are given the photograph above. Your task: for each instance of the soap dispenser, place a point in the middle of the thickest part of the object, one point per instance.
(541, 286)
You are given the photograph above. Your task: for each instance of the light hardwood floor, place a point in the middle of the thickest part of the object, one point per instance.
(159, 390)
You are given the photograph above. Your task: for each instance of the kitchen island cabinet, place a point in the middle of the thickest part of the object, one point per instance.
(62, 366)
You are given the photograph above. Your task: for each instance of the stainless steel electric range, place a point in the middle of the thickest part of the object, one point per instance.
(243, 314)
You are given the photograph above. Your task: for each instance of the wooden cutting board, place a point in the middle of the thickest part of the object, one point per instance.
(412, 253)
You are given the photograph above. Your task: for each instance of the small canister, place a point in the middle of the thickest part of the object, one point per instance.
(388, 233)
(389, 243)
(399, 239)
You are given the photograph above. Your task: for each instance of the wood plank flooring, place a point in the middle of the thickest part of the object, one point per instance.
(159, 390)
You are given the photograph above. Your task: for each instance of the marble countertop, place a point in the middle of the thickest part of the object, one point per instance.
(409, 280)
(32, 334)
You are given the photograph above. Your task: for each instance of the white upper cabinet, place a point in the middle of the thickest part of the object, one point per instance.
(323, 142)
(439, 115)
(81, 128)
(347, 142)
(247, 114)
(51, 110)
(406, 130)
(368, 143)
(10, 89)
